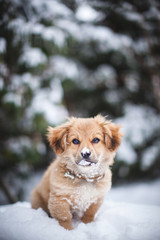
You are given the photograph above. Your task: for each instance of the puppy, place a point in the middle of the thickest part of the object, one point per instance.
(76, 182)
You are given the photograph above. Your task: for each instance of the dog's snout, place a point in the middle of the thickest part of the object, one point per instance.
(85, 153)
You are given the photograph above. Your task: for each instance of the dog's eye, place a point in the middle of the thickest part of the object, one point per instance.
(95, 140)
(76, 141)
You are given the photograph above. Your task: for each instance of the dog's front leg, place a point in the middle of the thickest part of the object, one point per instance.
(90, 212)
(60, 209)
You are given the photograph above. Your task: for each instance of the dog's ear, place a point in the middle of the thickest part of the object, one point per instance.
(112, 135)
(57, 137)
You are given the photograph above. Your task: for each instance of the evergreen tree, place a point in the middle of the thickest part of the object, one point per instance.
(25, 76)
(120, 55)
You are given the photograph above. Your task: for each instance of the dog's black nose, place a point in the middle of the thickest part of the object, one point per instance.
(86, 154)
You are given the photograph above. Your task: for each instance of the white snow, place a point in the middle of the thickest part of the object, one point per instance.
(150, 155)
(64, 67)
(83, 162)
(139, 124)
(85, 150)
(27, 78)
(48, 101)
(106, 74)
(52, 9)
(54, 114)
(133, 16)
(146, 193)
(14, 98)
(18, 82)
(153, 12)
(114, 221)
(1, 83)
(17, 145)
(105, 37)
(129, 212)
(69, 175)
(86, 13)
(126, 152)
(48, 33)
(2, 45)
(32, 57)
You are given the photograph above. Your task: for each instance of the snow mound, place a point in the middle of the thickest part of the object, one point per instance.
(115, 221)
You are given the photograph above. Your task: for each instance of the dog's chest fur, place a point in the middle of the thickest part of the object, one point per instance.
(82, 197)
(80, 193)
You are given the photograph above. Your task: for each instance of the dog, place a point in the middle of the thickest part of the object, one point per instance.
(75, 184)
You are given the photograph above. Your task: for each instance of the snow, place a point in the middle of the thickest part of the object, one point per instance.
(131, 82)
(13, 97)
(86, 13)
(2, 45)
(83, 162)
(126, 153)
(152, 13)
(32, 57)
(105, 37)
(140, 130)
(1, 83)
(141, 46)
(19, 81)
(54, 114)
(113, 96)
(133, 16)
(18, 145)
(85, 150)
(150, 155)
(51, 9)
(129, 212)
(139, 124)
(106, 74)
(146, 193)
(29, 79)
(64, 67)
(53, 33)
(65, 25)
(47, 101)
(48, 33)
(69, 175)
(114, 221)
(18, 85)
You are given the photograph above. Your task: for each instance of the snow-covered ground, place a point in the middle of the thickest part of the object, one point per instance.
(121, 221)
(138, 193)
(129, 212)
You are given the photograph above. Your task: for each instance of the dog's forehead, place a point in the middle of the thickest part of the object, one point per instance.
(86, 126)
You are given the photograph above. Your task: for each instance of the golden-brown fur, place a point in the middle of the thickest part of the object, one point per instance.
(67, 188)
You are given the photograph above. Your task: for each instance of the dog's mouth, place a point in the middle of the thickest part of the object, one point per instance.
(86, 162)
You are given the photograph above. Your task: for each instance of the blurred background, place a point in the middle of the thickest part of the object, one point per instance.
(60, 58)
